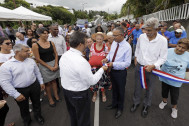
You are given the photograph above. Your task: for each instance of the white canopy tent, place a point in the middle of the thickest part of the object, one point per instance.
(8, 15)
(29, 15)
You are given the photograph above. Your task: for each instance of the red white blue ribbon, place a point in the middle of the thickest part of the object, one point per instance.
(160, 74)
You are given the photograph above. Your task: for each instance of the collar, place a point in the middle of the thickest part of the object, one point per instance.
(121, 43)
(154, 40)
(76, 51)
(15, 60)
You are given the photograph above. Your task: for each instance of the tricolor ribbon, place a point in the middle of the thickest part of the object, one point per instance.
(160, 74)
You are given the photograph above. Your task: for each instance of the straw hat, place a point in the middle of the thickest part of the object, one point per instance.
(98, 33)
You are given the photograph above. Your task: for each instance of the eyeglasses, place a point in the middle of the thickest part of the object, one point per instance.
(8, 43)
(116, 35)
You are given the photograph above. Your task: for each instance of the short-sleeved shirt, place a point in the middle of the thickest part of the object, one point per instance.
(95, 52)
(174, 40)
(135, 32)
(175, 65)
(6, 57)
(166, 33)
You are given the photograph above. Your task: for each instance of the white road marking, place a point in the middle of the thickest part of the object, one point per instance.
(96, 110)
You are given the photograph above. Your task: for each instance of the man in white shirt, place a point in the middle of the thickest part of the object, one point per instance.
(20, 78)
(58, 40)
(151, 52)
(86, 30)
(76, 78)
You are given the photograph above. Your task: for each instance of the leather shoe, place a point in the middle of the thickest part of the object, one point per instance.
(134, 107)
(110, 107)
(144, 112)
(118, 114)
(40, 120)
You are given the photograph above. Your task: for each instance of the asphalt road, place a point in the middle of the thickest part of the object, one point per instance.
(58, 116)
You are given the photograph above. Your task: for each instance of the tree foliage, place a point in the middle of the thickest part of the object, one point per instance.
(10, 4)
(143, 7)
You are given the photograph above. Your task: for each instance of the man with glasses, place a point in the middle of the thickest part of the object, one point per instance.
(174, 40)
(119, 59)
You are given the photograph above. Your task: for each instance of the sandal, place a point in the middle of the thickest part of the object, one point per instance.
(94, 98)
(103, 98)
(11, 124)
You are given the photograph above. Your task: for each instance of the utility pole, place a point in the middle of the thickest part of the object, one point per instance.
(83, 4)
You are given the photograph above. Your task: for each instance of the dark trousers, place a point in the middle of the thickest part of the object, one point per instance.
(150, 79)
(33, 91)
(3, 114)
(174, 92)
(78, 105)
(118, 79)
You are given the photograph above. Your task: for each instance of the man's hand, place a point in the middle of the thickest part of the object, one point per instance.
(20, 98)
(104, 60)
(104, 68)
(110, 64)
(2, 103)
(149, 68)
(42, 87)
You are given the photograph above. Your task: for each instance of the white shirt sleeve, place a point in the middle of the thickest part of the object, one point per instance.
(64, 45)
(163, 55)
(87, 76)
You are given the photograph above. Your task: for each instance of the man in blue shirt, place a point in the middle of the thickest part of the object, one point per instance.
(135, 33)
(178, 26)
(120, 58)
(21, 79)
(174, 40)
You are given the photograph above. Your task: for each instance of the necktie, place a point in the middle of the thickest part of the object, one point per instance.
(115, 52)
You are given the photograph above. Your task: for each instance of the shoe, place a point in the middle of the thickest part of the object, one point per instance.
(134, 107)
(40, 120)
(162, 105)
(110, 107)
(174, 113)
(52, 105)
(59, 100)
(118, 114)
(144, 112)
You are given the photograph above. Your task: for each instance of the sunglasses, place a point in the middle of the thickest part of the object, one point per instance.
(8, 43)
(176, 32)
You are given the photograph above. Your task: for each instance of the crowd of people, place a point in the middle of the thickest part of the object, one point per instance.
(43, 58)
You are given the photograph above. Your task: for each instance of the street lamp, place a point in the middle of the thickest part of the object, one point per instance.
(83, 4)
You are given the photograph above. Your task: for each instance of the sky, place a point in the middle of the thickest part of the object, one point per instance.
(110, 6)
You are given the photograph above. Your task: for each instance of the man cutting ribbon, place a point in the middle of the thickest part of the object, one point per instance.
(151, 52)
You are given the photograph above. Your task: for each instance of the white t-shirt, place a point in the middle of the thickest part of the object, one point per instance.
(87, 31)
(6, 57)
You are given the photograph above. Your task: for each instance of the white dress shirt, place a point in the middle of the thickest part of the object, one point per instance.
(23, 42)
(123, 56)
(75, 71)
(59, 43)
(17, 74)
(151, 52)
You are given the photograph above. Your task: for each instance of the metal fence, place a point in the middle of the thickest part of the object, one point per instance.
(174, 13)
